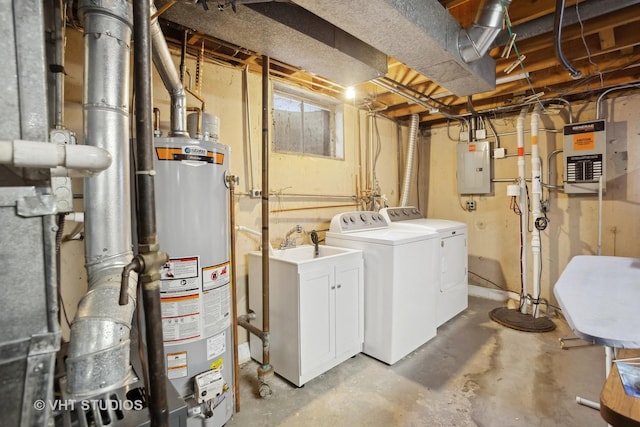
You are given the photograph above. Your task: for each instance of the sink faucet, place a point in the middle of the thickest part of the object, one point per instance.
(287, 243)
(314, 239)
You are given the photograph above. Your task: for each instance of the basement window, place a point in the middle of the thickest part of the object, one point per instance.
(306, 123)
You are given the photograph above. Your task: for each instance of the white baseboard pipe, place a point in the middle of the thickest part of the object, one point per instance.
(85, 159)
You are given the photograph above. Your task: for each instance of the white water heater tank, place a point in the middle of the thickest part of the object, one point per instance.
(192, 209)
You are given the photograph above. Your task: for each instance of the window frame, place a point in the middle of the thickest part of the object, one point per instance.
(336, 119)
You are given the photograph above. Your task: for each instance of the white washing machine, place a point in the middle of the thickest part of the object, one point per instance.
(453, 297)
(399, 286)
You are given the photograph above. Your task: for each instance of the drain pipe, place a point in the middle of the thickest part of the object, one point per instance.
(536, 195)
(408, 170)
(149, 260)
(265, 371)
(474, 42)
(98, 356)
(524, 214)
(169, 75)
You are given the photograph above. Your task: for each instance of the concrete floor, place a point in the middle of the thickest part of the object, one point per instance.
(474, 373)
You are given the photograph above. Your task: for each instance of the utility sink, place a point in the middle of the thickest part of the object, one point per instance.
(306, 254)
(316, 309)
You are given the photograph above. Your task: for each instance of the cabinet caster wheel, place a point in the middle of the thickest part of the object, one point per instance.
(265, 391)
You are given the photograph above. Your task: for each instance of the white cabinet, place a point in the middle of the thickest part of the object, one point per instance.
(317, 314)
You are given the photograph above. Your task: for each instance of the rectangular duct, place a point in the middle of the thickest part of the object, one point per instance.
(420, 33)
(290, 34)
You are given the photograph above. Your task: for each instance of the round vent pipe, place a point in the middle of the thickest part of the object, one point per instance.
(475, 41)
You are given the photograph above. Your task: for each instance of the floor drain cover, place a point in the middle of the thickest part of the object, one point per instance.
(515, 319)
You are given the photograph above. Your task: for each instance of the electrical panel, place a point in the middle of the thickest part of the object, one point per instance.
(474, 168)
(585, 157)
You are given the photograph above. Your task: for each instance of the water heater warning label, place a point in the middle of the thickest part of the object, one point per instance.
(216, 305)
(181, 318)
(215, 276)
(176, 365)
(180, 274)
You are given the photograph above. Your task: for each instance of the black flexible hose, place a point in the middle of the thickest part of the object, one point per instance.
(557, 29)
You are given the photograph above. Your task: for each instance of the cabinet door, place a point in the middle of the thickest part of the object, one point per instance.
(317, 319)
(349, 308)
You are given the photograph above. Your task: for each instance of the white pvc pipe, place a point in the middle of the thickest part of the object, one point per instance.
(35, 154)
(254, 233)
(408, 170)
(600, 183)
(536, 195)
(75, 216)
(524, 215)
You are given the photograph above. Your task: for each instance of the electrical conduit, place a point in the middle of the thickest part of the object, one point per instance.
(408, 170)
(523, 207)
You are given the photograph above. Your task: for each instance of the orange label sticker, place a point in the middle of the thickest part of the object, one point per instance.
(472, 148)
(521, 151)
(584, 141)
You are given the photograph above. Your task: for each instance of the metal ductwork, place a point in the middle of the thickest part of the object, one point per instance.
(474, 42)
(290, 34)
(98, 355)
(420, 33)
(169, 75)
(589, 9)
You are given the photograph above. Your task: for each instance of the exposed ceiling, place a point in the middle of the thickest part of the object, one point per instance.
(599, 39)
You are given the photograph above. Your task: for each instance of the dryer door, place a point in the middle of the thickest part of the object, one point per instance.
(453, 253)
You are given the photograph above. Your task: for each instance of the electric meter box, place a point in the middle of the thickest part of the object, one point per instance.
(474, 168)
(585, 157)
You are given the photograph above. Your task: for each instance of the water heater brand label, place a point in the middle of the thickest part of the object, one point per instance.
(193, 153)
(194, 150)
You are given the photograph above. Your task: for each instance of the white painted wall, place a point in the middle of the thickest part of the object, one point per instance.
(494, 242)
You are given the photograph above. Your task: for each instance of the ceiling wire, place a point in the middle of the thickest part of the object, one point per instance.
(507, 21)
(584, 42)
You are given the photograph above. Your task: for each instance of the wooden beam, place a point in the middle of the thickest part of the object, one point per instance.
(607, 39)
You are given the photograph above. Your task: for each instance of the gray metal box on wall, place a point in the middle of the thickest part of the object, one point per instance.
(474, 168)
(585, 157)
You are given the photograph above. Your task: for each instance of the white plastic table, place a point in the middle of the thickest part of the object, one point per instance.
(600, 298)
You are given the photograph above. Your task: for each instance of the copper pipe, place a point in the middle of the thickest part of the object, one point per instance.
(156, 119)
(232, 181)
(314, 207)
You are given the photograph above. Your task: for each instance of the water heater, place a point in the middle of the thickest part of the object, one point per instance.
(585, 157)
(192, 205)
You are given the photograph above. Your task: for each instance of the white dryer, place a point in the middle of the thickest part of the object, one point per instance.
(453, 297)
(399, 291)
